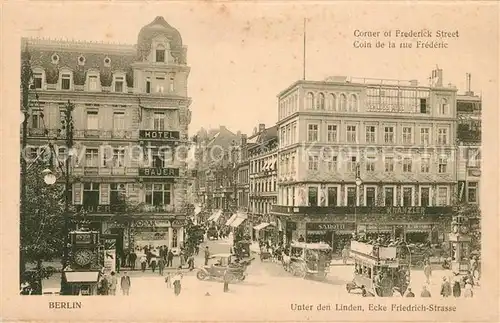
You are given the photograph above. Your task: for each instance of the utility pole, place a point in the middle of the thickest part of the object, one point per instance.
(25, 83)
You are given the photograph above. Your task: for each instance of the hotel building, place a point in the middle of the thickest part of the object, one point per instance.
(368, 156)
(131, 112)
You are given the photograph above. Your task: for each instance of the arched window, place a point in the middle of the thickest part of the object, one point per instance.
(343, 102)
(353, 103)
(332, 100)
(443, 107)
(160, 54)
(310, 101)
(321, 101)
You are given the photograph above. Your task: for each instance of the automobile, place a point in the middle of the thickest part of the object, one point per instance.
(212, 233)
(219, 263)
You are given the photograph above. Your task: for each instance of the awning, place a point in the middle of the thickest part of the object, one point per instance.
(215, 216)
(231, 219)
(261, 226)
(197, 210)
(81, 276)
(240, 217)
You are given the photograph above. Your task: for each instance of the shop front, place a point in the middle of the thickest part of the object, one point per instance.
(156, 233)
(336, 234)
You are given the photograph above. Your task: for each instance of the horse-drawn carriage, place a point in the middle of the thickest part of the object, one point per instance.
(377, 270)
(308, 259)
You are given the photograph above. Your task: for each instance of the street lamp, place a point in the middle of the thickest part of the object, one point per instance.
(359, 182)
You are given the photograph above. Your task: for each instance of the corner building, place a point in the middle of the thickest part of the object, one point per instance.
(396, 137)
(131, 113)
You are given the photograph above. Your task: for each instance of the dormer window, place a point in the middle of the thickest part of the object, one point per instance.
(160, 54)
(92, 82)
(119, 83)
(66, 79)
(38, 79)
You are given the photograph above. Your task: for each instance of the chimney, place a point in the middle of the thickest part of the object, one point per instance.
(439, 81)
(243, 140)
(262, 127)
(468, 84)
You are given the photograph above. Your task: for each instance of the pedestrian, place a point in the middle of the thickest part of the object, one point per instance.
(191, 262)
(125, 284)
(427, 272)
(182, 258)
(345, 255)
(143, 262)
(445, 288)
(161, 265)
(457, 290)
(227, 278)
(301, 238)
(165, 253)
(113, 282)
(132, 259)
(197, 249)
(161, 252)
(177, 282)
(170, 258)
(207, 255)
(168, 280)
(425, 292)
(152, 262)
(103, 287)
(118, 263)
(409, 293)
(468, 290)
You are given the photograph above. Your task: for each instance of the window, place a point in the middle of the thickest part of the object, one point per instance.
(159, 121)
(172, 83)
(407, 139)
(118, 120)
(351, 196)
(389, 196)
(332, 133)
(118, 193)
(443, 107)
(292, 165)
(442, 198)
(423, 105)
(425, 164)
(425, 136)
(351, 134)
(160, 54)
(473, 157)
(352, 164)
(313, 196)
(472, 192)
(158, 194)
(119, 157)
(353, 103)
(37, 80)
(389, 135)
(370, 134)
(343, 102)
(92, 82)
(332, 164)
(425, 196)
(370, 164)
(389, 164)
(443, 161)
(92, 120)
(407, 196)
(119, 82)
(332, 196)
(312, 132)
(294, 131)
(148, 85)
(321, 101)
(66, 81)
(91, 194)
(310, 101)
(442, 136)
(313, 163)
(160, 83)
(36, 119)
(288, 134)
(370, 196)
(332, 102)
(91, 157)
(407, 165)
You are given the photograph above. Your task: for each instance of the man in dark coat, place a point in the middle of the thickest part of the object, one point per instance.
(207, 255)
(170, 258)
(125, 284)
(132, 259)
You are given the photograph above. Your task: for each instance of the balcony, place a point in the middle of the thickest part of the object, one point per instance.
(366, 212)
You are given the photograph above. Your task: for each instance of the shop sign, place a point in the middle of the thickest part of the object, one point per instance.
(350, 226)
(418, 227)
(160, 135)
(149, 236)
(405, 210)
(105, 209)
(152, 223)
(159, 172)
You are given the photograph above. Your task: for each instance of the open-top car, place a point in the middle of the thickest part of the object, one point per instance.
(311, 259)
(219, 263)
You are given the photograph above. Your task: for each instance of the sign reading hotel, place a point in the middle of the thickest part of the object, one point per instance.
(159, 172)
(159, 135)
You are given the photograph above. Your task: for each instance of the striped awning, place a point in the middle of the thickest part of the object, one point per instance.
(215, 216)
(231, 219)
(240, 217)
(261, 226)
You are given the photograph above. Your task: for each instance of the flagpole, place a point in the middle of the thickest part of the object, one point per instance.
(304, 54)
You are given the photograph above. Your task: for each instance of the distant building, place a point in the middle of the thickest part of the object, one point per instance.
(395, 138)
(130, 100)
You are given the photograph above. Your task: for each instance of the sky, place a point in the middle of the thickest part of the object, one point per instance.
(243, 55)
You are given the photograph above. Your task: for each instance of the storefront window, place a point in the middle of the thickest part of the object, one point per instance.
(313, 196)
(351, 196)
(158, 194)
(332, 196)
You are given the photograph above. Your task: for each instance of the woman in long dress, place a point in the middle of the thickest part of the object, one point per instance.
(177, 282)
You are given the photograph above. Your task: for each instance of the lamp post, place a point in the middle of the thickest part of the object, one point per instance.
(359, 182)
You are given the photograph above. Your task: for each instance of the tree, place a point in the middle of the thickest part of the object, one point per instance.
(41, 226)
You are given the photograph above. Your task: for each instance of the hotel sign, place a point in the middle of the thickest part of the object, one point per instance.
(159, 135)
(159, 172)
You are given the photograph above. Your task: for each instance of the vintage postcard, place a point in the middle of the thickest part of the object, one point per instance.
(249, 161)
